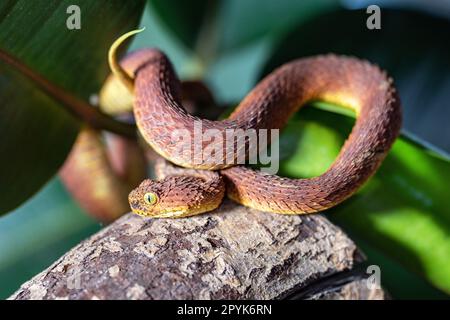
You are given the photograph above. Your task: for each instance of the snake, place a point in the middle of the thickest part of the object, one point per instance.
(198, 185)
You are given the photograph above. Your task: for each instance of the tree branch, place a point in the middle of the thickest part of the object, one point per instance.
(231, 253)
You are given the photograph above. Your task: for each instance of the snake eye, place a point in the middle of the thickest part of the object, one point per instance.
(150, 198)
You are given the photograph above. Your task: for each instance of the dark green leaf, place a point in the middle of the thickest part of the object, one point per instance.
(187, 20)
(37, 133)
(243, 22)
(399, 282)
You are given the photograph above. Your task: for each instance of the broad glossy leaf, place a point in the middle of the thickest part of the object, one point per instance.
(36, 132)
(402, 211)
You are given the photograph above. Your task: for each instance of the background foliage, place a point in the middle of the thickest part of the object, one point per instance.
(401, 218)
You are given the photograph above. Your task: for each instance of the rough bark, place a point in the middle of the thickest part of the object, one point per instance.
(231, 253)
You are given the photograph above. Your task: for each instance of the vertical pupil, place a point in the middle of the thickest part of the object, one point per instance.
(150, 198)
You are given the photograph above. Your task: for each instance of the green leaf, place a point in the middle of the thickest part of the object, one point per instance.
(37, 132)
(185, 19)
(247, 21)
(403, 210)
(156, 34)
(399, 282)
(233, 23)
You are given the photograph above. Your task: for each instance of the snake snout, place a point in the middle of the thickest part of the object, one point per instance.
(134, 204)
(133, 199)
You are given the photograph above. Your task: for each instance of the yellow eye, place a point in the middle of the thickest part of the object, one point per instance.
(150, 198)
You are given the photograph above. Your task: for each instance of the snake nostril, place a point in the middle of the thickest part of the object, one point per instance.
(134, 204)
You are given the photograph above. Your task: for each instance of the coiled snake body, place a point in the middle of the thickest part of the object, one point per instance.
(341, 80)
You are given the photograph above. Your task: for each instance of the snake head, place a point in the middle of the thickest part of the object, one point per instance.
(172, 197)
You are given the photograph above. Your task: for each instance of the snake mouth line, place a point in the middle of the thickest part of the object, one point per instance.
(139, 212)
(164, 214)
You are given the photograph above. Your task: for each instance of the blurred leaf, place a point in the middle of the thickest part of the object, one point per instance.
(233, 75)
(403, 210)
(243, 22)
(233, 23)
(38, 233)
(39, 132)
(399, 282)
(156, 34)
(410, 46)
(185, 19)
